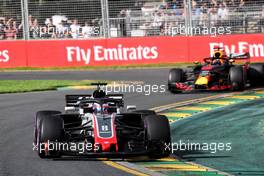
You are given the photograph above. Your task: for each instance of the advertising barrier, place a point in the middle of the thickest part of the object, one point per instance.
(124, 51)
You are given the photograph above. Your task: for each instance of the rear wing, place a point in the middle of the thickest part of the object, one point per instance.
(75, 100)
(240, 56)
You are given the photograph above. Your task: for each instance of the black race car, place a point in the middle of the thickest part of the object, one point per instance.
(95, 125)
(217, 73)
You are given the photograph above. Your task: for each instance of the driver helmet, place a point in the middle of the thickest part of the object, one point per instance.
(97, 108)
(216, 62)
(105, 108)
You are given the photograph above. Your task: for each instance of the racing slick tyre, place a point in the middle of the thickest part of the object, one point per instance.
(157, 129)
(237, 78)
(145, 112)
(176, 75)
(39, 116)
(50, 130)
(256, 74)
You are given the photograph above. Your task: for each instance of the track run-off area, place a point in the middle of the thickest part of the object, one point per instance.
(235, 119)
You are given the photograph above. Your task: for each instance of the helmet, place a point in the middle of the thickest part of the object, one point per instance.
(97, 108)
(105, 108)
(216, 62)
(218, 54)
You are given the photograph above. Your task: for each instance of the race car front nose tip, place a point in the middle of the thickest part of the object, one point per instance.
(201, 81)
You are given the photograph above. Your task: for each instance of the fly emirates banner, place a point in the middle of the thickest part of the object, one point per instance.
(125, 51)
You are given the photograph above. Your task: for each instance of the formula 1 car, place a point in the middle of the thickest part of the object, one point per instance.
(95, 125)
(217, 73)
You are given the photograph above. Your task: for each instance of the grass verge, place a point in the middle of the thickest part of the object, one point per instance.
(166, 65)
(19, 86)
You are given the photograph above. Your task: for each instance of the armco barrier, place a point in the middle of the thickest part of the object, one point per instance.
(124, 51)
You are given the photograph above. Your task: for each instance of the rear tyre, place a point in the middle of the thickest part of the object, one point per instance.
(157, 130)
(237, 78)
(176, 75)
(51, 129)
(256, 74)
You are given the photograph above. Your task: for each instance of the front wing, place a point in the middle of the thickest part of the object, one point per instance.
(190, 87)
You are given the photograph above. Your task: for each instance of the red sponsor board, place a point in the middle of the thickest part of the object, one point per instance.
(13, 54)
(104, 52)
(201, 46)
(124, 51)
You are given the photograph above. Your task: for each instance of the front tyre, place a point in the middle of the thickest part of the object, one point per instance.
(237, 78)
(39, 116)
(51, 130)
(145, 112)
(157, 131)
(256, 74)
(176, 75)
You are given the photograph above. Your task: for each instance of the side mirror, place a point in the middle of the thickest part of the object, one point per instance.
(71, 109)
(130, 108)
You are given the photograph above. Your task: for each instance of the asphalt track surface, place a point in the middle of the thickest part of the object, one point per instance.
(17, 113)
(242, 125)
(148, 75)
